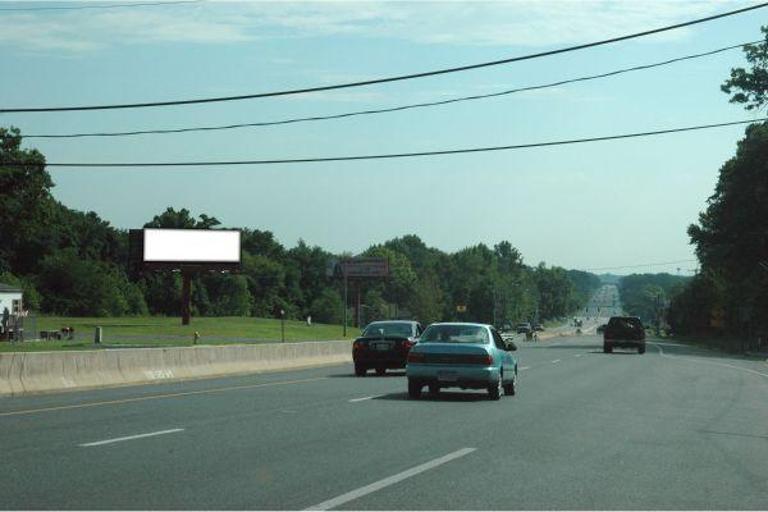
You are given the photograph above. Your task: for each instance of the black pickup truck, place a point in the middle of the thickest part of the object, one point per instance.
(625, 332)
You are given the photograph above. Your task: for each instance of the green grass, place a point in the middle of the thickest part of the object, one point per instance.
(168, 331)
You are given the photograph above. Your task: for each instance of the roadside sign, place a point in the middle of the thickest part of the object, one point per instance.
(365, 267)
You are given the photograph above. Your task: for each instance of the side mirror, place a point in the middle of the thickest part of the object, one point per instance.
(511, 347)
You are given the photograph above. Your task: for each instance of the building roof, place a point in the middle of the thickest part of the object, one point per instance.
(8, 288)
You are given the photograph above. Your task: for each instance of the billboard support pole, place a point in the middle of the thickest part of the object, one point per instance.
(186, 296)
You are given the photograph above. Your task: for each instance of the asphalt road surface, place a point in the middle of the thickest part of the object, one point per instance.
(676, 428)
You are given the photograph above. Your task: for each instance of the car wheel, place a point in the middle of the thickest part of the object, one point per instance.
(607, 349)
(360, 370)
(381, 371)
(414, 389)
(511, 387)
(434, 389)
(495, 390)
(641, 349)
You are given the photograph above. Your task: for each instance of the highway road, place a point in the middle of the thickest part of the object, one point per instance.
(676, 428)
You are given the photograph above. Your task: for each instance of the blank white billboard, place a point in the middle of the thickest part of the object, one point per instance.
(191, 246)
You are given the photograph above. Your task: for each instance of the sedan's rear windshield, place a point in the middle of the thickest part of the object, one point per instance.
(455, 334)
(389, 329)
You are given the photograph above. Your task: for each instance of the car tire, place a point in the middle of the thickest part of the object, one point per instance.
(607, 349)
(511, 387)
(381, 371)
(414, 389)
(641, 349)
(495, 390)
(360, 371)
(434, 389)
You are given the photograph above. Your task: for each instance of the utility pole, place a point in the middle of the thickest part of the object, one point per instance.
(345, 301)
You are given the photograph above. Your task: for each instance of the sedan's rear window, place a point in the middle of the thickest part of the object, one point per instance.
(455, 334)
(389, 329)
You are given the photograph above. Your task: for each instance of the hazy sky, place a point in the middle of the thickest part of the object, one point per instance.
(586, 206)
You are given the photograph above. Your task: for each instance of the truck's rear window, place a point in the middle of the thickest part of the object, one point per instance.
(625, 323)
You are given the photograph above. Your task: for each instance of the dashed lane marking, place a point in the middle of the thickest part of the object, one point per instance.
(361, 399)
(386, 482)
(130, 438)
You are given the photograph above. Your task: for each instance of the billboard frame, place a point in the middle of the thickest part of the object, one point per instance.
(137, 254)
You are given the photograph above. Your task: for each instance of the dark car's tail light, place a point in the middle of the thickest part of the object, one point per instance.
(416, 357)
(357, 345)
(407, 344)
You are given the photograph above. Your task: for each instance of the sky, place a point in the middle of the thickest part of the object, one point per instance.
(590, 206)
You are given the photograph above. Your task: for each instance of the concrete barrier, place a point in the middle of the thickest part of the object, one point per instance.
(36, 372)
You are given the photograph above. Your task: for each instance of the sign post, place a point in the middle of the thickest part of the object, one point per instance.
(360, 268)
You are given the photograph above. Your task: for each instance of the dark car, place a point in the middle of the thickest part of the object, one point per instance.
(383, 345)
(524, 328)
(538, 327)
(624, 332)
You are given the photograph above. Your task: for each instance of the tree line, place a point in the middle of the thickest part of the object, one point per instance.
(729, 295)
(74, 263)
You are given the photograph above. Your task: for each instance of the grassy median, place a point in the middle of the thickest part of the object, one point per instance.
(167, 331)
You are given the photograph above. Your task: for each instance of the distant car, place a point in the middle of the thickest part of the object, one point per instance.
(462, 355)
(524, 328)
(625, 332)
(538, 327)
(384, 345)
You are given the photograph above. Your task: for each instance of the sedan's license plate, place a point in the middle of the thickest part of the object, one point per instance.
(447, 376)
(383, 346)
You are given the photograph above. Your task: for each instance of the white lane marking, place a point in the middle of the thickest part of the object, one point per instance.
(524, 368)
(386, 482)
(577, 355)
(556, 361)
(364, 398)
(138, 436)
(689, 360)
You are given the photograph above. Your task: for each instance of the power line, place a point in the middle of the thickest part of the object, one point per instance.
(109, 6)
(390, 109)
(388, 79)
(388, 155)
(640, 266)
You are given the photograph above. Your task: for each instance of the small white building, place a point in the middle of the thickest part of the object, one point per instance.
(10, 297)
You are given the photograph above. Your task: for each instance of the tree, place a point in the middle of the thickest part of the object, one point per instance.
(71, 285)
(752, 85)
(172, 219)
(25, 203)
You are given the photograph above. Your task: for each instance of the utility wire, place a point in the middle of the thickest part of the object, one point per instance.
(386, 110)
(108, 6)
(388, 79)
(223, 163)
(640, 266)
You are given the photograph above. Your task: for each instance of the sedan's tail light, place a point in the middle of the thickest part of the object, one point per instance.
(407, 344)
(416, 357)
(488, 360)
(357, 345)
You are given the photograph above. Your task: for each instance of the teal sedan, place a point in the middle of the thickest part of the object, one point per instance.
(462, 355)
